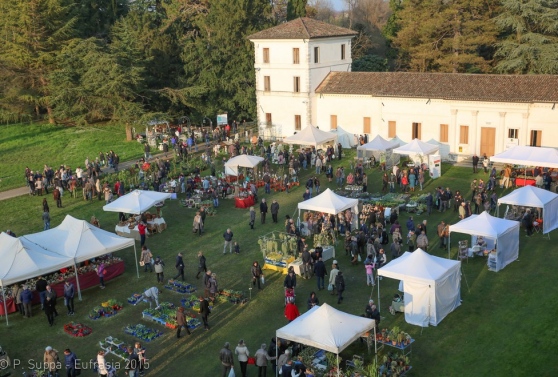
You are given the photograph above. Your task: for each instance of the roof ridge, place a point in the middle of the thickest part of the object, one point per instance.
(305, 28)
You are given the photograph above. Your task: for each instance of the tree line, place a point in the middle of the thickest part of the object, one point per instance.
(85, 61)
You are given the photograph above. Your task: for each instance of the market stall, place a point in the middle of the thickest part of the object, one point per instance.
(278, 250)
(418, 151)
(529, 196)
(242, 161)
(346, 139)
(327, 328)
(431, 286)
(330, 202)
(501, 233)
(312, 136)
(381, 149)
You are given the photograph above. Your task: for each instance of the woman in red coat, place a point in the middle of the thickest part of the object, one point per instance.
(291, 311)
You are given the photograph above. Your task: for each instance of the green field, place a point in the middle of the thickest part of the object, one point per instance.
(35, 145)
(504, 326)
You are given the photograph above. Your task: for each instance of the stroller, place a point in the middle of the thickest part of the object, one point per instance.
(289, 295)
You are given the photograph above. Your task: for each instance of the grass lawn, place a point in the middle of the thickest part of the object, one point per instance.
(35, 145)
(504, 326)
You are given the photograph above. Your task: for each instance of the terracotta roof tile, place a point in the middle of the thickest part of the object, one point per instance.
(449, 86)
(302, 28)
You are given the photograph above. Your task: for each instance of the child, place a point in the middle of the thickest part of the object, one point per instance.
(369, 273)
(236, 247)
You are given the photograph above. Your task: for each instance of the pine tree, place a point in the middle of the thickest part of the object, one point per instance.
(296, 9)
(531, 37)
(33, 33)
(448, 36)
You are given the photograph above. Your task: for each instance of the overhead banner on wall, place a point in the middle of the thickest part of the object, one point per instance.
(435, 165)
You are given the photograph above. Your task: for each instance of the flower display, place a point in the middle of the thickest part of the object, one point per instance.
(77, 329)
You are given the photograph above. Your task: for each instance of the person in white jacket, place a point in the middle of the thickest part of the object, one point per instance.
(152, 294)
(102, 368)
(243, 353)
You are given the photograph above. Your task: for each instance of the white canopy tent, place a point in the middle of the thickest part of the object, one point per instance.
(243, 160)
(136, 202)
(503, 233)
(530, 196)
(346, 139)
(417, 149)
(310, 136)
(431, 286)
(329, 202)
(528, 156)
(78, 241)
(327, 328)
(379, 147)
(22, 260)
(444, 148)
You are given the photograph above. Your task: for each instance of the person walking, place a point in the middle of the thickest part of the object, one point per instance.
(70, 361)
(49, 310)
(340, 285)
(146, 258)
(69, 293)
(333, 277)
(142, 229)
(159, 267)
(204, 312)
(263, 210)
(257, 274)
(475, 163)
(51, 293)
(242, 353)
(262, 358)
(102, 367)
(132, 363)
(51, 362)
(179, 265)
(27, 301)
(252, 217)
(320, 272)
(46, 220)
(181, 322)
(228, 236)
(226, 358)
(17, 290)
(100, 269)
(274, 210)
(201, 264)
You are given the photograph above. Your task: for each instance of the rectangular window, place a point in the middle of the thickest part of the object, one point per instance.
(267, 84)
(333, 122)
(536, 137)
(296, 56)
(296, 84)
(268, 119)
(416, 131)
(444, 133)
(366, 125)
(513, 133)
(298, 123)
(343, 52)
(316, 54)
(463, 134)
(266, 55)
(392, 131)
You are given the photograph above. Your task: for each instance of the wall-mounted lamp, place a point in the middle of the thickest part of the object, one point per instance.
(553, 105)
(383, 104)
(258, 69)
(427, 102)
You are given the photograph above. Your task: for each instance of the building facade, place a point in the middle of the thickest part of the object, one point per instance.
(471, 114)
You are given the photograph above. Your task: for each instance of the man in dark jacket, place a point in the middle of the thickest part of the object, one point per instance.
(263, 210)
(226, 358)
(320, 272)
(41, 287)
(274, 210)
(290, 280)
(179, 266)
(340, 286)
(205, 311)
(306, 264)
(201, 264)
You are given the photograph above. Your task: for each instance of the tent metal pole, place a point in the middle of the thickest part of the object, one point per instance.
(136, 256)
(4, 299)
(77, 280)
(378, 277)
(276, 357)
(338, 364)
(449, 243)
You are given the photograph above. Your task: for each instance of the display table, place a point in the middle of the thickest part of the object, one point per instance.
(519, 182)
(244, 202)
(87, 280)
(296, 265)
(124, 231)
(406, 349)
(329, 253)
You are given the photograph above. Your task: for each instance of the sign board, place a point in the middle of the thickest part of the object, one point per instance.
(222, 119)
(435, 165)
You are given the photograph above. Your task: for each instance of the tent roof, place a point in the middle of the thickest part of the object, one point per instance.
(77, 240)
(136, 202)
(344, 137)
(244, 160)
(529, 156)
(529, 196)
(328, 202)
(483, 225)
(326, 328)
(310, 135)
(416, 146)
(379, 144)
(418, 265)
(22, 260)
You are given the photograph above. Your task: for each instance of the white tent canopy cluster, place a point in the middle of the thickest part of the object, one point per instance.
(136, 202)
(380, 147)
(311, 136)
(68, 244)
(346, 139)
(244, 161)
(330, 202)
(528, 156)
